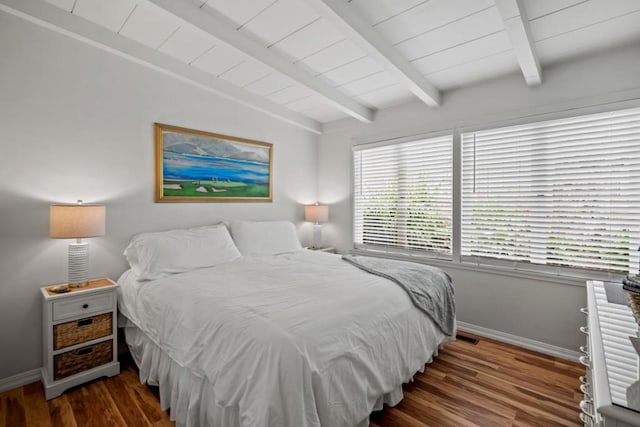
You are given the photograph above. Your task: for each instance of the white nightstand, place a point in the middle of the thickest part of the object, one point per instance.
(78, 336)
(329, 249)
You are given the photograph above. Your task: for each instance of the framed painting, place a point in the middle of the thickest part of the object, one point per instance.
(196, 166)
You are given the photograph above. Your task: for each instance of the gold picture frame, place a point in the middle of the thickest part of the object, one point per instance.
(198, 166)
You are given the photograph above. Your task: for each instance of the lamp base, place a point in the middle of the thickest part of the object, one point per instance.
(78, 264)
(317, 235)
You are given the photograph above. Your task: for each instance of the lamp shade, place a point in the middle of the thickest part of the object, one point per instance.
(76, 221)
(316, 213)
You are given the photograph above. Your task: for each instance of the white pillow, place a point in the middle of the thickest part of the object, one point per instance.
(265, 237)
(155, 255)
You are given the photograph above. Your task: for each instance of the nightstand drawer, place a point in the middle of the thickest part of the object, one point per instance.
(82, 359)
(82, 330)
(83, 306)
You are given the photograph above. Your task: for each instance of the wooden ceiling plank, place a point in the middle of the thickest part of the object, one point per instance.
(111, 15)
(187, 44)
(215, 24)
(53, 18)
(463, 53)
(149, 26)
(279, 20)
(240, 12)
(516, 25)
(352, 25)
(333, 57)
(311, 39)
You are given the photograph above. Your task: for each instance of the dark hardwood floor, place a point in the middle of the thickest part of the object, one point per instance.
(489, 384)
(486, 384)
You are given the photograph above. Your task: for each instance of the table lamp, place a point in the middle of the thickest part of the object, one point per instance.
(77, 222)
(317, 214)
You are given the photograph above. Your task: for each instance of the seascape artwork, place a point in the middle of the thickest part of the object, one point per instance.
(200, 166)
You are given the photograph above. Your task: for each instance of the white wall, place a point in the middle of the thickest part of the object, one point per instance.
(544, 311)
(76, 123)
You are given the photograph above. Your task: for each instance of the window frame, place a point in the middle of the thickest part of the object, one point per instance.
(555, 274)
(389, 250)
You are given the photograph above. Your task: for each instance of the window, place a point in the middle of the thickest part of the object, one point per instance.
(403, 196)
(555, 193)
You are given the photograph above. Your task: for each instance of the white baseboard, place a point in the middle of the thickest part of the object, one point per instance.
(19, 380)
(527, 343)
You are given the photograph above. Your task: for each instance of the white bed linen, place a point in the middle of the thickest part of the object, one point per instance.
(295, 340)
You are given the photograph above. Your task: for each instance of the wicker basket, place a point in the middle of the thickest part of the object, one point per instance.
(82, 359)
(634, 302)
(83, 330)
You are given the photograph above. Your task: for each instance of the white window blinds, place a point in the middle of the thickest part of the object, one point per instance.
(560, 193)
(402, 196)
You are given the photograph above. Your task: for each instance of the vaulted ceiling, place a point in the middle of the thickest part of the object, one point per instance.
(313, 61)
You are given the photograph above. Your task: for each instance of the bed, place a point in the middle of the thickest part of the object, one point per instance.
(270, 334)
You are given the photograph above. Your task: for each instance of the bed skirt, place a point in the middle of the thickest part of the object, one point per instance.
(190, 399)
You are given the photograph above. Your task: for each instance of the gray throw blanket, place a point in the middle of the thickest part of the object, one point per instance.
(428, 287)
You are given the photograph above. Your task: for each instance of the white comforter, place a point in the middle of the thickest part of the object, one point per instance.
(295, 340)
